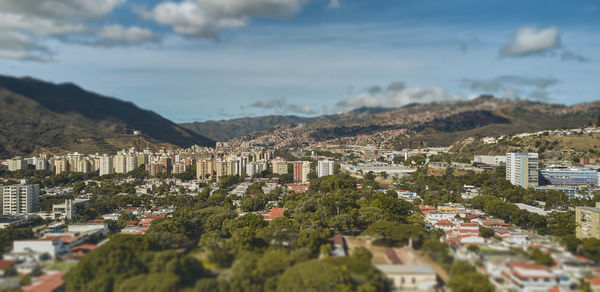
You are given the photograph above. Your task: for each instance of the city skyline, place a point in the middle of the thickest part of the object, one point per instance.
(305, 57)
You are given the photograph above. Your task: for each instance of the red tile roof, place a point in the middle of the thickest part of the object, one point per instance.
(527, 266)
(495, 224)
(46, 283)
(84, 247)
(5, 264)
(274, 213)
(392, 256)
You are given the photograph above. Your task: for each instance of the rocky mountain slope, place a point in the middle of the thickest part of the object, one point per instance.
(37, 115)
(433, 124)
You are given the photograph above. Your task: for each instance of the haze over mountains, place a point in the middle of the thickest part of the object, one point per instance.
(37, 115)
(41, 116)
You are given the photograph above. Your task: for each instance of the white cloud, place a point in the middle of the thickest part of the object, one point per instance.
(334, 4)
(529, 41)
(30, 22)
(395, 95)
(61, 9)
(282, 107)
(206, 18)
(118, 35)
(513, 86)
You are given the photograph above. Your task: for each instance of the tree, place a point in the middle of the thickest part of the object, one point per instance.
(465, 278)
(486, 232)
(394, 233)
(541, 258)
(333, 274)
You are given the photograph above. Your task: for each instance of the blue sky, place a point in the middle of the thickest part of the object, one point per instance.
(217, 59)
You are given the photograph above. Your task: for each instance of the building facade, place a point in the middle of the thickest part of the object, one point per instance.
(20, 199)
(522, 169)
(568, 176)
(301, 170)
(106, 165)
(324, 168)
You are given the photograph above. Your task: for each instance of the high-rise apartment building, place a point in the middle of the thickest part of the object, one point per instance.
(20, 199)
(279, 165)
(61, 165)
(17, 163)
(588, 221)
(325, 168)
(106, 165)
(131, 162)
(120, 161)
(301, 170)
(522, 169)
(41, 164)
(205, 169)
(83, 166)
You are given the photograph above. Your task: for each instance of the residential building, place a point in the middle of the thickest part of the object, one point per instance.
(205, 169)
(21, 198)
(41, 164)
(522, 169)
(301, 170)
(61, 165)
(120, 161)
(588, 221)
(154, 169)
(106, 165)
(131, 162)
(17, 163)
(325, 168)
(279, 165)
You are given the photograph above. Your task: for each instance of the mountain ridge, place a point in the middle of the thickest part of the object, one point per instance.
(36, 114)
(435, 123)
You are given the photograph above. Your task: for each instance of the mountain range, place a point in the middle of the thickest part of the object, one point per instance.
(38, 116)
(41, 116)
(414, 125)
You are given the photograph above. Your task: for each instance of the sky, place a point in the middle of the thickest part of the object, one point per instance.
(198, 60)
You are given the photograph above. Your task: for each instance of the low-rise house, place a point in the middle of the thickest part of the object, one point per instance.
(407, 271)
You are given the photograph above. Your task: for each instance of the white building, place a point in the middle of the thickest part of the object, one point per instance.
(120, 162)
(522, 169)
(495, 160)
(325, 168)
(106, 165)
(17, 163)
(20, 199)
(131, 162)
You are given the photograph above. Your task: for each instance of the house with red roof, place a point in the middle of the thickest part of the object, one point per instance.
(51, 282)
(274, 213)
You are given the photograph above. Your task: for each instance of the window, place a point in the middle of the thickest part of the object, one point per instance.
(414, 280)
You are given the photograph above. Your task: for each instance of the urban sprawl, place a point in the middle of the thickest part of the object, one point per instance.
(425, 220)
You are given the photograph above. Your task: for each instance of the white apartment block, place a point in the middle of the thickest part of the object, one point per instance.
(106, 165)
(522, 169)
(120, 161)
(17, 163)
(20, 199)
(325, 168)
(131, 162)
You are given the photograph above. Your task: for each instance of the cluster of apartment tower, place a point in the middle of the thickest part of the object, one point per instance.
(211, 169)
(210, 164)
(122, 162)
